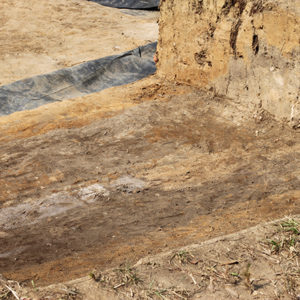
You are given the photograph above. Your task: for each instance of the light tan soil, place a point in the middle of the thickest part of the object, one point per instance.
(248, 50)
(40, 36)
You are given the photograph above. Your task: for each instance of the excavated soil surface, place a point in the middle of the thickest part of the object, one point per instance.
(133, 170)
(156, 166)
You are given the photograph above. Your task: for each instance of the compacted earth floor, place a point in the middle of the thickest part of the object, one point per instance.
(136, 170)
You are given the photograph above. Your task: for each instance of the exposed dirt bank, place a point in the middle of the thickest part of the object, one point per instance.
(246, 50)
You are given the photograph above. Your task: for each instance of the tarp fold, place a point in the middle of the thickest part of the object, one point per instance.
(130, 4)
(83, 79)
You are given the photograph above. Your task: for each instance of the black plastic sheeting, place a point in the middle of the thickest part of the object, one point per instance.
(130, 4)
(83, 79)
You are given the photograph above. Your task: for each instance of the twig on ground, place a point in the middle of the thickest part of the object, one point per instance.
(176, 294)
(12, 291)
(195, 282)
(119, 285)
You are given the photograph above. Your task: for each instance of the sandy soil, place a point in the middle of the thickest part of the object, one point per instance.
(152, 172)
(42, 36)
(130, 171)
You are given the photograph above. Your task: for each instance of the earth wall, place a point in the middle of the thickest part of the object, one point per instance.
(248, 50)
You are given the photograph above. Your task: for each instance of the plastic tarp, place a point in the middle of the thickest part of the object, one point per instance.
(130, 4)
(83, 79)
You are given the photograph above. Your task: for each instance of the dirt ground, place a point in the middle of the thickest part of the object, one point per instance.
(112, 177)
(38, 37)
(160, 172)
(257, 263)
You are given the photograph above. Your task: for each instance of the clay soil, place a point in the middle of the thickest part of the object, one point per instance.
(135, 170)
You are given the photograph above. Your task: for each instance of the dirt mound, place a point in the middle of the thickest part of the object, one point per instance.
(246, 50)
